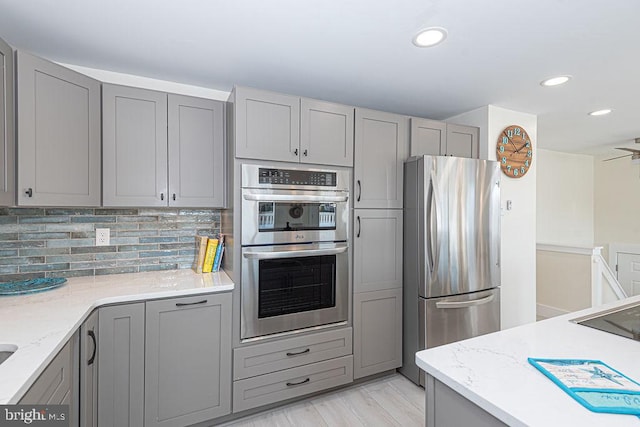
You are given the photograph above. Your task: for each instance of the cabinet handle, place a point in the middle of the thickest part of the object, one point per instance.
(29, 192)
(182, 304)
(174, 197)
(295, 151)
(161, 196)
(92, 335)
(305, 153)
(299, 352)
(359, 227)
(359, 190)
(299, 382)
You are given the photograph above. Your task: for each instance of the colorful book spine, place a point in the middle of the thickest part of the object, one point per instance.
(210, 255)
(201, 250)
(219, 252)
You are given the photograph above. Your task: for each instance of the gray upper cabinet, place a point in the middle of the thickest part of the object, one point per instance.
(196, 152)
(58, 135)
(381, 148)
(274, 126)
(121, 366)
(134, 126)
(267, 125)
(188, 360)
(443, 139)
(326, 133)
(161, 150)
(7, 134)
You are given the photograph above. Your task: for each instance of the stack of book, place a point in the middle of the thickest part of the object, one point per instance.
(209, 251)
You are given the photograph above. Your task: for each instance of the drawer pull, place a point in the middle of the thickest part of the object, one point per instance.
(182, 304)
(299, 352)
(298, 383)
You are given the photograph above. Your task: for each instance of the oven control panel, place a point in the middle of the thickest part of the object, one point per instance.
(296, 177)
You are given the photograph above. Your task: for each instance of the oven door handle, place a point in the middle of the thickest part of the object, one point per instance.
(295, 253)
(295, 198)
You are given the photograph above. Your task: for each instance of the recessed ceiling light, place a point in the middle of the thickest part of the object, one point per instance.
(600, 112)
(430, 37)
(555, 81)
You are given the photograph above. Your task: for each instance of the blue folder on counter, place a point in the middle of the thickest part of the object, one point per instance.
(594, 384)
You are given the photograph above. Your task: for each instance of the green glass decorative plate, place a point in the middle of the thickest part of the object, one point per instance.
(30, 286)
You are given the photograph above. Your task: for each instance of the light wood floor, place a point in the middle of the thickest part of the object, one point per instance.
(388, 401)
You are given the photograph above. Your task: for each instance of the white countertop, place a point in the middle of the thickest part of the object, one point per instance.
(41, 323)
(493, 372)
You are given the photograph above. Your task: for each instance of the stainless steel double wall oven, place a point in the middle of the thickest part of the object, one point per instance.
(295, 247)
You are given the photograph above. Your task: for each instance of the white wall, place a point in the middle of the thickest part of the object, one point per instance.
(565, 200)
(149, 83)
(617, 207)
(518, 248)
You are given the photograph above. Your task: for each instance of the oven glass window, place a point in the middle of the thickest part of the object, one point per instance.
(287, 216)
(294, 285)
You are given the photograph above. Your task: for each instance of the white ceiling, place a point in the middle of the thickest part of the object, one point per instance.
(359, 52)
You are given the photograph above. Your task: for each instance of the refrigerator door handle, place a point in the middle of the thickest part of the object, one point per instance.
(465, 304)
(432, 243)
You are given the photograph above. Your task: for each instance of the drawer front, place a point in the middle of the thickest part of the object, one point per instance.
(279, 386)
(291, 352)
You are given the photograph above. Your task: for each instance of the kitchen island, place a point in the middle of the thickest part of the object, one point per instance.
(489, 379)
(40, 324)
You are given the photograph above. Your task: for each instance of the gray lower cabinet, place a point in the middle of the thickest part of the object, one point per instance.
(275, 126)
(57, 383)
(377, 332)
(188, 360)
(89, 371)
(58, 115)
(121, 366)
(377, 249)
(7, 134)
(446, 407)
(381, 148)
(291, 367)
(291, 383)
(162, 149)
(437, 138)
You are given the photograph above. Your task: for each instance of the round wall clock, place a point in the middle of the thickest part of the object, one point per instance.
(514, 151)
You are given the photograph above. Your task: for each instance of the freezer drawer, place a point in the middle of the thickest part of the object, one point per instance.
(458, 317)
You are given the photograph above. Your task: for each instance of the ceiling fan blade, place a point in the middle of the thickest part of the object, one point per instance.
(619, 157)
(633, 150)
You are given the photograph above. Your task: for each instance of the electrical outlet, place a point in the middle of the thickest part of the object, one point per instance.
(102, 237)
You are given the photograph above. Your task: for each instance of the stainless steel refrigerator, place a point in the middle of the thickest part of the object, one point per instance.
(451, 253)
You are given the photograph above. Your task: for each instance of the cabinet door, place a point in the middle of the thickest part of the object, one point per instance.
(188, 360)
(121, 367)
(89, 371)
(381, 147)
(428, 137)
(196, 152)
(58, 135)
(377, 249)
(134, 145)
(377, 332)
(56, 385)
(462, 141)
(267, 125)
(326, 133)
(7, 135)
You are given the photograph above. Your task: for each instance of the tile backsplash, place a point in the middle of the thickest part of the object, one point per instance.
(60, 242)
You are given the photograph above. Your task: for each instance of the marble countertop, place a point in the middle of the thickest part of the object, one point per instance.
(493, 372)
(41, 323)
